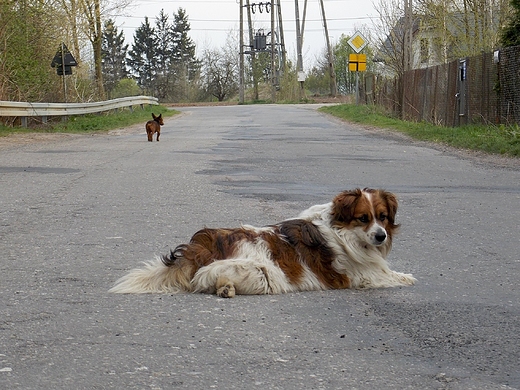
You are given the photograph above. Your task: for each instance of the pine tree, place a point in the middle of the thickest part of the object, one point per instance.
(184, 48)
(113, 53)
(164, 38)
(141, 59)
(185, 64)
(164, 55)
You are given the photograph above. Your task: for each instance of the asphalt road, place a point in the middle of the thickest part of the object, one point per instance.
(79, 211)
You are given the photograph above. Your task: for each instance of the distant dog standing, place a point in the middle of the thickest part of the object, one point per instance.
(154, 126)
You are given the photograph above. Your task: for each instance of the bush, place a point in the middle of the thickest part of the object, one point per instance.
(126, 87)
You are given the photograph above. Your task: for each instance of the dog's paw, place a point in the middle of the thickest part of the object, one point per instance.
(226, 291)
(225, 288)
(406, 279)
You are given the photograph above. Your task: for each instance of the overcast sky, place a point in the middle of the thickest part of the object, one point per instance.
(212, 20)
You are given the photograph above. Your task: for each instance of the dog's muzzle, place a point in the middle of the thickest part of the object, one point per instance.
(379, 236)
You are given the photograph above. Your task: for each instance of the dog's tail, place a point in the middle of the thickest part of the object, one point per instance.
(167, 274)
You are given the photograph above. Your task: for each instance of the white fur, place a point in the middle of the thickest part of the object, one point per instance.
(154, 277)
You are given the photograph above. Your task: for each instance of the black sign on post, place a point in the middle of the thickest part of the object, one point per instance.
(63, 61)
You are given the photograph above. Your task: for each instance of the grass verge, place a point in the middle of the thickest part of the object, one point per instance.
(92, 123)
(503, 140)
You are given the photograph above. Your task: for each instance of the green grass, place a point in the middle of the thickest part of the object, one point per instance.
(503, 140)
(94, 122)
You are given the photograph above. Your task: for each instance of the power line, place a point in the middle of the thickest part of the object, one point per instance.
(287, 20)
(286, 29)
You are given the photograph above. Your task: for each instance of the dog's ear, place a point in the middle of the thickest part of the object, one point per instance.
(153, 116)
(391, 204)
(344, 204)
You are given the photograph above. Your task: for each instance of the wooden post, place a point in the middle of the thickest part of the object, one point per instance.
(299, 42)
(273, 41)
(254, 64)
(64, 79)
(241, 65)
(333, 90)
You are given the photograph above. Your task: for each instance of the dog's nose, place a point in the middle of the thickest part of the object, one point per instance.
(380, 236)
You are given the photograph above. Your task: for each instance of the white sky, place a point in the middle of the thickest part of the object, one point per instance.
(212, 20)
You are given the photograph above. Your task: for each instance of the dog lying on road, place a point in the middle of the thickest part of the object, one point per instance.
(337, 245)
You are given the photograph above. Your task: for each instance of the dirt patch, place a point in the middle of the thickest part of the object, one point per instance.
(17, 139)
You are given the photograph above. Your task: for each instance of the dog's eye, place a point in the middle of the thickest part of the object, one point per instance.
(383, 217)
(363, 218)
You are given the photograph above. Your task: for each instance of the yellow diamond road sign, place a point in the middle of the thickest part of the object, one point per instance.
(357, 42)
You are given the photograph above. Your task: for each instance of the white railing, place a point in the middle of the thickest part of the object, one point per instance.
(44, 110)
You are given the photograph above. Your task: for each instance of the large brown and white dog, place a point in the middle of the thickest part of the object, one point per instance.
(341, 244)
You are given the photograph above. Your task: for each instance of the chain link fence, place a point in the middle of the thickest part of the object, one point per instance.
(480, 89)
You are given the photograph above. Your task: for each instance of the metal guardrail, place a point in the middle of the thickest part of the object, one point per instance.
(44, 110)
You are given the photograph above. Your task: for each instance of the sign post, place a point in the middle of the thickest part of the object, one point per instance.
(63, 62)
(357, 62)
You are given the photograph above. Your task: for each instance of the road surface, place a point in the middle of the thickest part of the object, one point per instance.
(77, 212)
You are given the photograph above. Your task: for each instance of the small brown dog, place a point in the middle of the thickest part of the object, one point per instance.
(154, 127)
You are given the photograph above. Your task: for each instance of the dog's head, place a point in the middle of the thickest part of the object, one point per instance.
(158, 119)
(369, 213)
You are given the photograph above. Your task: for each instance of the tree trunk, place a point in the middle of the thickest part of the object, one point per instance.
(97, 44)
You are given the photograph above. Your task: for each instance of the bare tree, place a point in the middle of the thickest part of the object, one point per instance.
(85, 20)
(390, 41)
(464, 27)
(220, 71)
(91, 12)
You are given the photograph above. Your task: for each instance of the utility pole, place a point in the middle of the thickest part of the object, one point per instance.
(333, 90)
(282, 38)
(273, 44)
(254, 65)
(241, 65)
(299, 41)
(303, 21)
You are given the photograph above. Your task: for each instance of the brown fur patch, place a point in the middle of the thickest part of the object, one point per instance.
(209, 245)
(344, 205)
(313, 251)
(285, 256)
